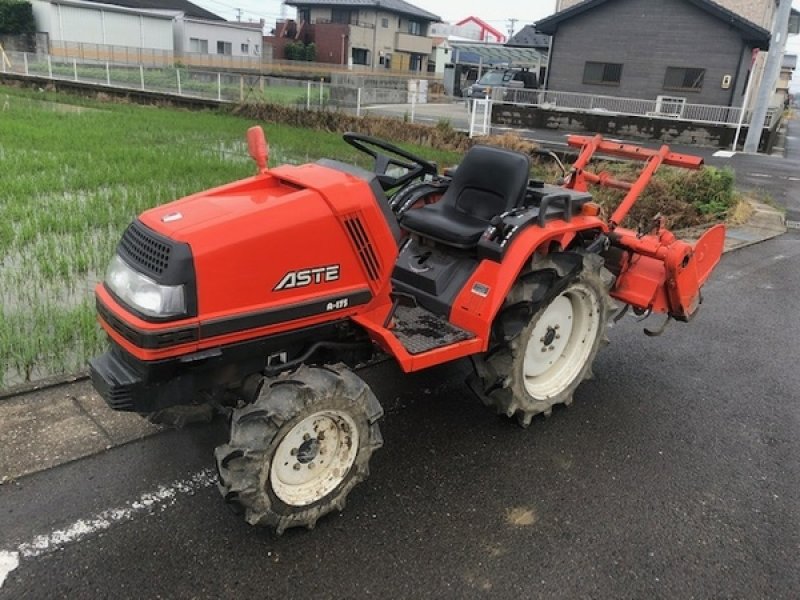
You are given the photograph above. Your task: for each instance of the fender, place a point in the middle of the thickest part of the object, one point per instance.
(481, 299)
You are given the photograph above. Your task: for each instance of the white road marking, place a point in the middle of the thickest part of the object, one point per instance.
(149, 502)
(8, 562)
(760, 175)
(724, 154)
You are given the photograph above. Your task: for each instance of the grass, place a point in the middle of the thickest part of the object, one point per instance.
(71, 180)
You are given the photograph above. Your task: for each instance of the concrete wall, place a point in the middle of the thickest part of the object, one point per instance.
(108, 25)
(645, 128)
(646, 37)
(374, 89)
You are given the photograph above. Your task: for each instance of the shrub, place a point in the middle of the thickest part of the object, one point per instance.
(16, 17)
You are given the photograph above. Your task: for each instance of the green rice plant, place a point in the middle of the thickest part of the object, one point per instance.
(73, 174)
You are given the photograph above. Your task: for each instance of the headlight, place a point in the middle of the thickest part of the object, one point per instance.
(142, 293)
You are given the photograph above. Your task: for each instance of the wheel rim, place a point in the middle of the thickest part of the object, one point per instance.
(561, 342)
(314, 457)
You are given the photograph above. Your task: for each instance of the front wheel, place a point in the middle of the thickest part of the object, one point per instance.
(300, 448)
(554, 351)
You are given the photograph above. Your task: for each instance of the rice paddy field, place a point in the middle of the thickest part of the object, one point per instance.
(73, 174)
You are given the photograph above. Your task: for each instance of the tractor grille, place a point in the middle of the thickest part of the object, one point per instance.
(144, 249)
(361, 241)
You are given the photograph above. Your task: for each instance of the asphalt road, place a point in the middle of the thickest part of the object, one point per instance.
(674, 475)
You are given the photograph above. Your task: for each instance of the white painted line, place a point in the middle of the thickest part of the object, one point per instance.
(149, 502)
(8, 562)
(760, 175)
(724, 154)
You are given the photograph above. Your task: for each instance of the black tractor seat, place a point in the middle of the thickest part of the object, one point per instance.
(488, 182)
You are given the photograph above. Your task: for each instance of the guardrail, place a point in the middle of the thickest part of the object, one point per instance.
(663, 108)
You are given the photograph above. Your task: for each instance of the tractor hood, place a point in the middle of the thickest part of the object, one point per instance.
(293, 235)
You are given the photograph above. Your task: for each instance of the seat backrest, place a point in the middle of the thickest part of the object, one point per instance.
(488, 182)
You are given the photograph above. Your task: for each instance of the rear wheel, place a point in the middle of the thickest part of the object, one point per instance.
(300, 448)
(554, 351)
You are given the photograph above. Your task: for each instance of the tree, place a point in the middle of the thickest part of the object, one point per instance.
(16, 17)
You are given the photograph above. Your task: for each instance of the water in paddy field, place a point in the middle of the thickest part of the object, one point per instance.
(58, 107)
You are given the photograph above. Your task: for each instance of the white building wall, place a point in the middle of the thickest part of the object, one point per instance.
(96, 25)
(213, 33)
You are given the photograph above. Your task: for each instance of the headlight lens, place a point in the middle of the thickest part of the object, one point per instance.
(142, 293)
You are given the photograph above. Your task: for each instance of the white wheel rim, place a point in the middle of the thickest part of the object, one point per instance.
(314, 457)
(561, 342)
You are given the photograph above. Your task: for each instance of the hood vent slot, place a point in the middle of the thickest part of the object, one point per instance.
(363, 245)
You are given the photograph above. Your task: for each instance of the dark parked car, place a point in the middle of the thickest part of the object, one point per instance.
(507, 78)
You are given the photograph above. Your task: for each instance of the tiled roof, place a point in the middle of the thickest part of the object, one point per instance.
(749, 30)
(528, 37)
(184, 6)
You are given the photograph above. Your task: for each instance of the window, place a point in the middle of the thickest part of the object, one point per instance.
(360, 56)
(245, 48)
(197, 45)
(224, 48)
(602, 73)
(415, 28)
(304, 15)
(386, 61)
(415, 64)
(385, 23)
(341, 15)
(684, 79)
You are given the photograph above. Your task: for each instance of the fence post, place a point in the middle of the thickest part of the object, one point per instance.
(487, 117)
(413, 100)
(308, 96)
(358, 103)
(219, 86)
(472, 112)
(75, 69)
(108, 74)
(241, 88)
(178, 76)
(141, 76)
(25, 60)
(49, 66)
(321, 81)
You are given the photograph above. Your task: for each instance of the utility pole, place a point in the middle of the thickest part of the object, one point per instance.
(766, 91)
(512, 23)
(239, 14)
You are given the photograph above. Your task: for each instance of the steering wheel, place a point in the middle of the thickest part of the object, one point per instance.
(377, 149)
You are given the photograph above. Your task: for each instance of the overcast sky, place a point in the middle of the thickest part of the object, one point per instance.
(497, 14)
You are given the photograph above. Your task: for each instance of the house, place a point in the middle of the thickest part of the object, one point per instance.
(126, 30)
(692, 49)
(478, 29)
(387, 34)
(529, 37)
(440, 55)
(782, 93)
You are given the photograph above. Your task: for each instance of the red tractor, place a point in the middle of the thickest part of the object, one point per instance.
(258, 298)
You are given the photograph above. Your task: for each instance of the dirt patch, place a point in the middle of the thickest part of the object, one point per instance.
(521, 516)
